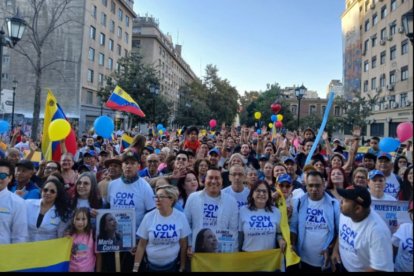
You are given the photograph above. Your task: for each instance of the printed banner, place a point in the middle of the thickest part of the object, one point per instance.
(394, 213)
(115, 230)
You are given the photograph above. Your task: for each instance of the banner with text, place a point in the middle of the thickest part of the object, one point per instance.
(394, 213)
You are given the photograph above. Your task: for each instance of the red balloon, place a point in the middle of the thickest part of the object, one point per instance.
(279, 124)
(404, 131)
(213, 123)
(276, 107)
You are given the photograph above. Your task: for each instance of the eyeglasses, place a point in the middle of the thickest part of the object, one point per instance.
(260, 191)
(152, 161)
(51, 168)
(46, 190)
(285, 186)
(160, 197)
(4, 176)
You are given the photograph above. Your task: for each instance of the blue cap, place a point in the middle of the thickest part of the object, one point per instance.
(284, 178)
(384, 154)
(214, 150)
(286, 159)
(263, 157)
(374, 173)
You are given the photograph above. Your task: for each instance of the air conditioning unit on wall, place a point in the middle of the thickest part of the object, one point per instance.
(390, 87)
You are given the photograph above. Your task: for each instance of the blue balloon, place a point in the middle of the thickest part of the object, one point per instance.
(157, 151)
(389, 144)
(160, 126)
(273, 118)
(4, 127)
(259, 131)
(104, 126)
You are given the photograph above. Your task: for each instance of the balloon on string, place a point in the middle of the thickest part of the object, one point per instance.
(279, 117)
(276, 107)
(213, 123)
(157, 151)
(259, 131)
(160, 126)
(58, 129)
(4, 126)
(257, 115)
(279, 124)
(104, 126)
(273, 118)
(405, 131)
(388, 144)
(270, 125)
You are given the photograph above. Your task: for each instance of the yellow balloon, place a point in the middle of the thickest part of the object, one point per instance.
(179, 131)
(279, 117)
(203, 132)
(59, 129)
(257, 115)
(160, 131)
(270, 125)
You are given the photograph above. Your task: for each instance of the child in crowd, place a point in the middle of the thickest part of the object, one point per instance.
(83, 257)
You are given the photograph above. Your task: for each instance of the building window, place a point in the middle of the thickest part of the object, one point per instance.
(94, 11)
(91, 55)
(383, 11)
(393, 5)
(374, 62)
(111, 45)
(382, 80)
(6, 59)
(373, 83)
(119, 49)
(404, 73)
(89, 97)
(90, 75)
(102, 39)
(377, 129)
(104, 2)
(4, 76)
(136, 43)
(393, 28)
(366, 45)
(125, 52)
(127, 20)
(112, 26)
(383, 56)
(337, 111)
(110, 63)
(374, 40)
(384, 34)
(392, 77)
(126, 38)
(113, 7)
(120, 14)
(101, 60)
(393, 52)
(403, 99)
(366, 25)
(366, 66)
(374, 19)
(92, 32)
(404, 47)
(366, 86)
(100, 79)
(103, 19)
(119, 32)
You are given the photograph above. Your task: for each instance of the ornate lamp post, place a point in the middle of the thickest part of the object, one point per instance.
(299, 93)
(15, 82)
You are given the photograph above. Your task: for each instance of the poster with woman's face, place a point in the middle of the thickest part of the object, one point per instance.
(210, 241)
(115, 230)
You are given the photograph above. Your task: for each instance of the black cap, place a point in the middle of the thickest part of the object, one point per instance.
(112, 161)
(130, 155)
(26, 164)
(358, 194)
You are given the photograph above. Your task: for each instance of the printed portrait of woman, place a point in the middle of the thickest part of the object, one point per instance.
(109, 238)
(206, 241)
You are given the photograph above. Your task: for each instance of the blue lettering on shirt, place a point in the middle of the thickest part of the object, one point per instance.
(390, 189)
(315, 216)
(210, 210)
(408, 245)
(124, 200)
(260, 222)
(165, 231)
(348, 235)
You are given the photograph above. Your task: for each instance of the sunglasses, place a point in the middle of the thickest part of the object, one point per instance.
(4, 176)
(46, 190)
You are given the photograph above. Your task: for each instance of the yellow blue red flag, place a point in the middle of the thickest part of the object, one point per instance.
(126, 141)
(121, 100)
(42, 256)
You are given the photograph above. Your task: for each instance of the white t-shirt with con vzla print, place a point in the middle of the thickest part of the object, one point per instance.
(365, 244)
(403, 239)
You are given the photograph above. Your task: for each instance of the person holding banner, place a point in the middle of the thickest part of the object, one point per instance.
(402, 241)
(163, 235)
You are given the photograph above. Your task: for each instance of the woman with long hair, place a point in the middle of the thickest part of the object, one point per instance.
(187, 185)
(406, 189)
(336, 179)
(200, 168)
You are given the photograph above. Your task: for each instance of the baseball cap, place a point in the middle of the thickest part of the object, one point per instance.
(90, 153)
(370, 156)
(214, 150)
(263, 157)
(284, 178)
(130, 155)
(358, 194)
(374, 173)
(25, 164)
(287, 159)
(103, 153)
(336, 140)
(384, 154)
(112, 161)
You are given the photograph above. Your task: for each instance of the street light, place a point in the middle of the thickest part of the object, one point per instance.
(407, 22)
(154, 90)
(299, 93)
(14, 97)
(15, 29)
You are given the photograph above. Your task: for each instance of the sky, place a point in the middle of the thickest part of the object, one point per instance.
(256, 42)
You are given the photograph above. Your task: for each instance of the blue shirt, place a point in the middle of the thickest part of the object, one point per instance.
(32, 191)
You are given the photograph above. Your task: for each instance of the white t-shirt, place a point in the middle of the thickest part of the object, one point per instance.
(297, 193)
(22, 146)
(210, 212)
(138, 195)
(384, 197)
(403, 239)
(392, 186)
(365, 244)
(316, 232)
(240, 197)
(259, 227)
(163, 235)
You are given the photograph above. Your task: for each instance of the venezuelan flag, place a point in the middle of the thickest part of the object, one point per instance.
(53, 111)
(126, 141)
(42, 256)
(121, 100)
(36, 158)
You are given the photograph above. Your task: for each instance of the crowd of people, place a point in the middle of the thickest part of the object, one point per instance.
(215, 192)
